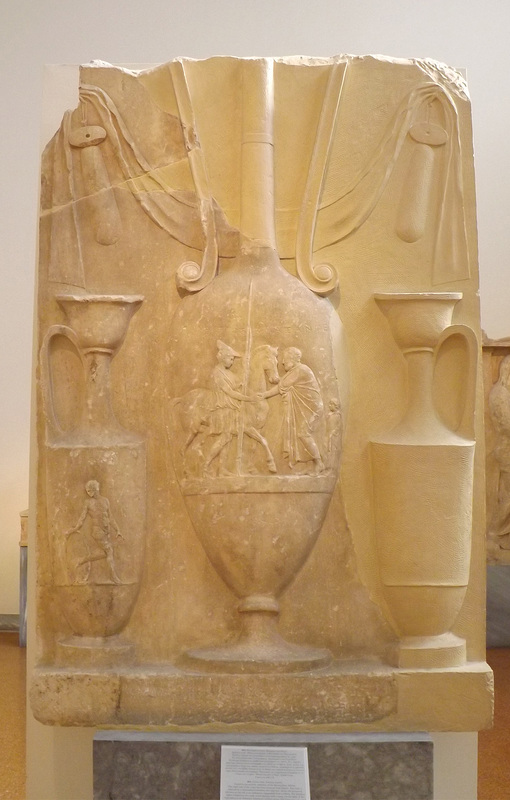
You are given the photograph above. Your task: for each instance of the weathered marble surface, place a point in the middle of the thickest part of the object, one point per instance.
(258, 400)
(138, 766)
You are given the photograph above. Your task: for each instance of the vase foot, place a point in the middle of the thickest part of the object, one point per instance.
(430, 652)
(94, 651)
(256, 657)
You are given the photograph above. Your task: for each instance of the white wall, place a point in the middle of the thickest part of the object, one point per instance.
(37, 32)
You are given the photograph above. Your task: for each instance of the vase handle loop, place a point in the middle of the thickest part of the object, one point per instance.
(463, 424)
(54, 428)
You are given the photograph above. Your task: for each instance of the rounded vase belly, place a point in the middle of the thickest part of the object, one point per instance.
(97, 610)
(256, 423)
(258, 541)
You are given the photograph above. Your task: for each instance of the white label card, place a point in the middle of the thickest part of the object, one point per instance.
(264, 773)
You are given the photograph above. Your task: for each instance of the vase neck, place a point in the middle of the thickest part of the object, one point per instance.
(257, 156)
(421, 414)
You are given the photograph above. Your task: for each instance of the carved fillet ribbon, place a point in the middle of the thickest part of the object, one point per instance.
(342, 216)
(173, 210)
(192, 276)
(321, 278)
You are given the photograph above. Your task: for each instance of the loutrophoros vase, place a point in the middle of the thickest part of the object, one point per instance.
(97, 507)
(256, 514)
(252, 369)
(423, 493)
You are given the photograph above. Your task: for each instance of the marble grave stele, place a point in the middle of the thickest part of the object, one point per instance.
(259, 397)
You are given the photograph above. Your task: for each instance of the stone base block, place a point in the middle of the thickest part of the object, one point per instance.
(352, 696)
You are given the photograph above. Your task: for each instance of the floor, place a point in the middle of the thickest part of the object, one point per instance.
(494, 745)
(12, 717)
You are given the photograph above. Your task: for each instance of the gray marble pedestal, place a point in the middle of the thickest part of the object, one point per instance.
(498, 605)
(159, 766)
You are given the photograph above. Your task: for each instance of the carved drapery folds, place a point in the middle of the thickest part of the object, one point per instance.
(256, 498)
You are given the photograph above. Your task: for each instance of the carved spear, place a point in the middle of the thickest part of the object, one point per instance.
(246, 375)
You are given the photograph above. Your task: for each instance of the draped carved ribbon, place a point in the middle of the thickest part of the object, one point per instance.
(194, 218)
(353, 204)
(184, 216)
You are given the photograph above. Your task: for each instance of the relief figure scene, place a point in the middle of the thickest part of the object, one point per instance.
(218, 421)
(496, 362)
(92, 545)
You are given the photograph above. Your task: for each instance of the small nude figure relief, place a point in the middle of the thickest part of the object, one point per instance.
(98, 546)
(302, 411)
(232, 409)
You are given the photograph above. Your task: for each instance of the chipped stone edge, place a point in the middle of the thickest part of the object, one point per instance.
(437, 71)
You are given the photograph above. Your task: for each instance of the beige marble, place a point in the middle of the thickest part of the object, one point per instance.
(260, 499)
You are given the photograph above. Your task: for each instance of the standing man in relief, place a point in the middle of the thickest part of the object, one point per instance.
(103, 527)
(224, 418)
(302, 410)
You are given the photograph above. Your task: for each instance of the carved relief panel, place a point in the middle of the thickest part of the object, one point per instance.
(496, 365)
(259, 400)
